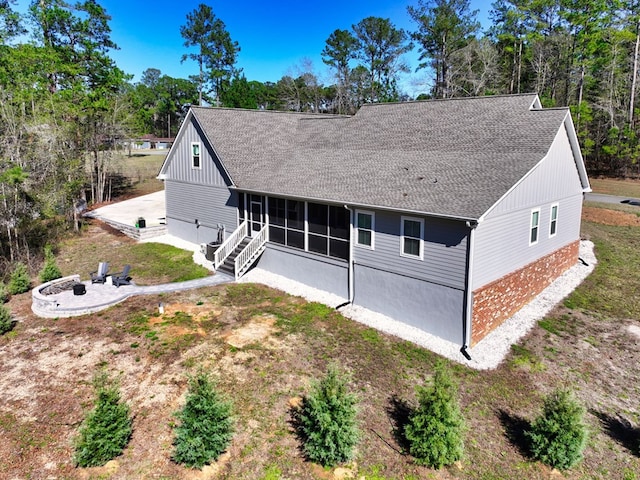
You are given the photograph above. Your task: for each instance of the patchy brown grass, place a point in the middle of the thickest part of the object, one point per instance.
(624, 187)
(265, 347)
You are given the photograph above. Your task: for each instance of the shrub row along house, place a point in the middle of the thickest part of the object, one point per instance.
(447, 215)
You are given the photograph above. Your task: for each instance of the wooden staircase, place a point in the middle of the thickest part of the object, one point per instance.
(228, 266)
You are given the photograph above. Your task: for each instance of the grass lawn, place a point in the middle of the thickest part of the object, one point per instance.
(614, 186)
(266, 347)
(141, 168)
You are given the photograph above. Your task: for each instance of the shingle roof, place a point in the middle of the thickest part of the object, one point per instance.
(448, 157)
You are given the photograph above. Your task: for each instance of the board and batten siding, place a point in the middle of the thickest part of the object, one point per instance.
(179, 166)
(445, 249)
(501, 243)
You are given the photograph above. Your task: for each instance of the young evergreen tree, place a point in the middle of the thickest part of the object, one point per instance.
(4, 293)
(19, 281)
(206, 425)
(558, 436)
(6, 322)
(327, 420)
(436, 428)
(50, 270)
(106, 429)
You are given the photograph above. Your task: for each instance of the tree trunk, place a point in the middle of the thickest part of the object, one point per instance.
(634, 76)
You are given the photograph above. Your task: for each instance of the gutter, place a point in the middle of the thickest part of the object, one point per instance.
(466, 327)
(358, 205)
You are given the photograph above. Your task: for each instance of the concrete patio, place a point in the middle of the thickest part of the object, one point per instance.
(99, 296)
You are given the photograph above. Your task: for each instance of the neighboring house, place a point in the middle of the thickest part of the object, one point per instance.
(448, 215)
(150, 141)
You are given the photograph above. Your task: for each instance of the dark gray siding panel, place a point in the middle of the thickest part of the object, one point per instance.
(194, 211)
(433, 308)
(445, 250)
(313, 270)
(502, 239)
(180, 166)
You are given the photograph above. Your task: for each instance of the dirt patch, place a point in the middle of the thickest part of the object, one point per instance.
(266, 366)
(610, 217)
(257, 330)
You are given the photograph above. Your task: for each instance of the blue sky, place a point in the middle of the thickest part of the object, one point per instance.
(274, 37)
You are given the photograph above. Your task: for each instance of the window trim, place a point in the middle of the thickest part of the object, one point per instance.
(553, 222)
(372, 214)
(193, 156)
(532, 226)
(402, 237)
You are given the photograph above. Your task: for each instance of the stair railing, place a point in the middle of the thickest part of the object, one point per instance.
(230, 244)
(249, 253)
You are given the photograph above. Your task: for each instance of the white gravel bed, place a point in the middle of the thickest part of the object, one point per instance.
(488, 353)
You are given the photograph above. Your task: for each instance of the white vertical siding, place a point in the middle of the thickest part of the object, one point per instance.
(502, 239)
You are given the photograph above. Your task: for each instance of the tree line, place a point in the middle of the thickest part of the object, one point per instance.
(66, 107)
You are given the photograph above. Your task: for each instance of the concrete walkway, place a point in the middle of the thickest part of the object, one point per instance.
(101, 296)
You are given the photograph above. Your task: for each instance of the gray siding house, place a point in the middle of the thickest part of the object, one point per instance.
(447, 215)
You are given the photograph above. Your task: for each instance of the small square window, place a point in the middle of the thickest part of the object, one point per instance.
(412, 243)
(195, 155)
(365, 227)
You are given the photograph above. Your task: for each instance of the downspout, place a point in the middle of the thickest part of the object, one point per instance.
(351, 291)
(469, 294)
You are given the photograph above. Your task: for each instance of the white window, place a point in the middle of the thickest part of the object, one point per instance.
(195, 155)
(553, 222)
(365, 229)
(411, 237)
(535, 226)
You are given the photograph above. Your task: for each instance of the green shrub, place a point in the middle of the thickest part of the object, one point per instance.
(435, 429)
(6, 322)
(50, 270)
(206, 425)
(4, 293)
(327, 420)
(106, 429)
(558, 436)
(20, 281)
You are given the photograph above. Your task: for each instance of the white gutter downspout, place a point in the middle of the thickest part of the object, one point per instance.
(469, 295)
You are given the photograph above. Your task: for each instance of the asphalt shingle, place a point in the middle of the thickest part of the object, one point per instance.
(446, 157)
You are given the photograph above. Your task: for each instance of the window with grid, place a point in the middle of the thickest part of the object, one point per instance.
(365, 227)
(411, 235)
(195, 154)
(535, 226)
(553, 222)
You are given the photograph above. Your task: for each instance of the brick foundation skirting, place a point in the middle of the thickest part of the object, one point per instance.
(499, 300)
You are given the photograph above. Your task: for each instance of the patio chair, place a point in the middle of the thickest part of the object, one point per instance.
(123, 277)
(100, 275)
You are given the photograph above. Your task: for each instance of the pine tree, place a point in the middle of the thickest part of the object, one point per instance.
(206, 425)
(558, 436)
(106, 429)
(50, 270)
(435, 429)
(20, 281)
(327, 420)
(6, 322)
